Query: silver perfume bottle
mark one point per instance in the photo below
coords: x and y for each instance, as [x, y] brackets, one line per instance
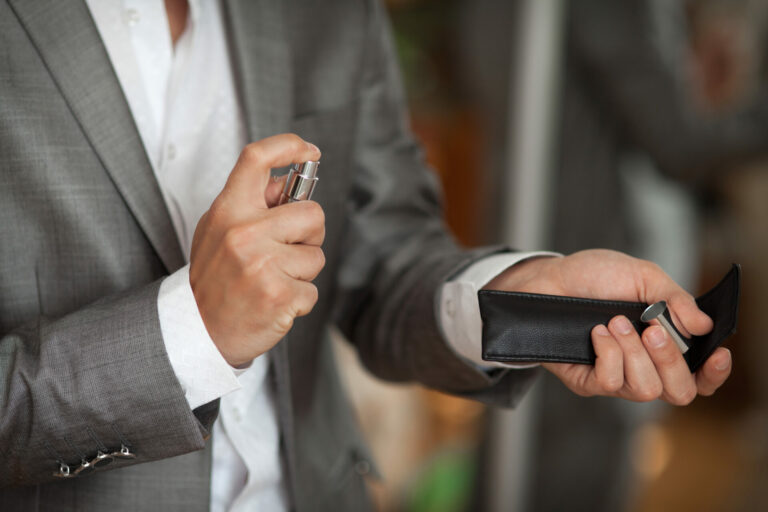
[301, 182]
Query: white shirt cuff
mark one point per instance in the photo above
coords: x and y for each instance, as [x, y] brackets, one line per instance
[202, 371]
[459, 309]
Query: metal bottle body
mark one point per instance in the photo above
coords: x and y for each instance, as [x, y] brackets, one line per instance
[301, 182]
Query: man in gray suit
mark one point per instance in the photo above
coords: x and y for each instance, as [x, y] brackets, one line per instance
[93, 229]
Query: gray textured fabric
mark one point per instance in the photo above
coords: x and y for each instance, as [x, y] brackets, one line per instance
[86, 240]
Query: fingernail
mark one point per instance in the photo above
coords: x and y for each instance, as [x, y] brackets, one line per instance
[656, 337]
[602, 330]
[723, 364]
[623, 325]
[312, 146]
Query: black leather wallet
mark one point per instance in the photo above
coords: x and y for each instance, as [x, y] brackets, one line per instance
[529, 327]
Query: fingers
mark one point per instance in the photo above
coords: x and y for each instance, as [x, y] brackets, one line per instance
[251, 263]
[714, 371]
[687, 316]
[651, 366]
[299, 222]
[249, 179]
[305, 297]
[678, 383]
[250, 251]
[281, 302]
[642, 381]
[642, 368]
[302, 262]
[274, 190]
[298, 298]
[295, 223]
[609, 364]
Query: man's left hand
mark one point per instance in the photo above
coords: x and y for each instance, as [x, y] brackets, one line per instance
[630, 366]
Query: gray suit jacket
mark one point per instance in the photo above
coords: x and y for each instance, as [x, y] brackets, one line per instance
[85, 241]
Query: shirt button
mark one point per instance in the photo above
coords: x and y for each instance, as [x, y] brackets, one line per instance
[450, 308]
[171, 152]
[362, 467]
[131, 17]
[237, 416]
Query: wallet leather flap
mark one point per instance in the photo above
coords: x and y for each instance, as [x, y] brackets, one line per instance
[529, 327]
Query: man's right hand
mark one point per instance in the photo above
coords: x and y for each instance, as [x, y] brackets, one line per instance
[252, 261]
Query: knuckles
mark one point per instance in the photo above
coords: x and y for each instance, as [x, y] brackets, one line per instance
[268, 291]
[297, 143]
[234, 239]
[305, 300]
[276, 294]
[284, 322]
[652, 270]
[649, 392]
[235, 242]
[318, 257]
[682, 397]
[216, 214]
[634, 351]
[312, 219]
[312, 296]
[313, 212]
[263, 280]
[668, 356]
[252, 153]
[611, 384]
[256, 153]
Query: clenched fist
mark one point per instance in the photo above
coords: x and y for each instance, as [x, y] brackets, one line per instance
[252, 261]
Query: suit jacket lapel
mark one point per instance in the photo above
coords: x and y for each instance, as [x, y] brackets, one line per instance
[261, 59]
[262, 63]
[69, 44]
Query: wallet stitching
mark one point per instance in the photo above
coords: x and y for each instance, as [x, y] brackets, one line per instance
[557, 298]
[537, 358]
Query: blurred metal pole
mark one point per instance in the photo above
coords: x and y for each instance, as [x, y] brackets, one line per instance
[536, 68]
[533, 117]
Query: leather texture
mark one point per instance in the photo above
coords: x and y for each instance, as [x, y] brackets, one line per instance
[529, 327]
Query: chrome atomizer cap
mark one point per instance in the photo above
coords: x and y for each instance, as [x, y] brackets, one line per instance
[657, 312]
[301, 182]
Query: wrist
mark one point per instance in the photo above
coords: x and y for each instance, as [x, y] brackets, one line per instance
[528, 276]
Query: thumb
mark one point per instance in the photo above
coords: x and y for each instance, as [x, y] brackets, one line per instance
[687, 316]
[247, 184]
[685, 313]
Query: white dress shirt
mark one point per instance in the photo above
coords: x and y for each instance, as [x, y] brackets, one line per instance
[185, 107]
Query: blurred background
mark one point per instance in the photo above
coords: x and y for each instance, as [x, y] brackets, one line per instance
[637, 125]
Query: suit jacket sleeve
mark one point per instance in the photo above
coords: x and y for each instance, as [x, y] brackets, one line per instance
[90, 380]
[84, 242]
[398, 252]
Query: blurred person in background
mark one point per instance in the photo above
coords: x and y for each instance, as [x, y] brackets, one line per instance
[729, 45]
[633, 142]
[634, 153]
